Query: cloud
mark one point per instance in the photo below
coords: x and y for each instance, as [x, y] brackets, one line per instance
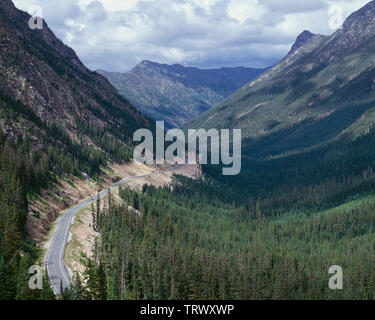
[292, 6]
[116, 35]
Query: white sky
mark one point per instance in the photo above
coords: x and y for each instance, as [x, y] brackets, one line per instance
[115, 35]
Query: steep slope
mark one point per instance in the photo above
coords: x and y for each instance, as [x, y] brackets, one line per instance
[47, 92]
[58, 122]
[175, 93]
[320, 90]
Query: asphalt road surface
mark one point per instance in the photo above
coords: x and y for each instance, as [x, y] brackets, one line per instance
[57, 271]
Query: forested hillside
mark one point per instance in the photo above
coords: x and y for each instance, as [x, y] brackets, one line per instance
[190, 245]
[45, 83]
[17, 255]
[321, 90]
[303, 202]
[57, 119]
[270, 233]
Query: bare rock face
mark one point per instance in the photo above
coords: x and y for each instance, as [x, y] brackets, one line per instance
[301, 39]
[358, 30]
[50, 97]
[44, 74]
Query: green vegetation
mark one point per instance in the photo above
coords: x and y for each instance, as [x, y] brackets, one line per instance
[24, 171]
[116, 150]
[185, 246]
[62, 155]
[17, 255]
[310, 98]
[304, 201]
[270, 233]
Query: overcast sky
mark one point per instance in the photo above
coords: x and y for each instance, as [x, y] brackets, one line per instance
[115, 35]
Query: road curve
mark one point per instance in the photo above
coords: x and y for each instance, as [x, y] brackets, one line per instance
[57, 271]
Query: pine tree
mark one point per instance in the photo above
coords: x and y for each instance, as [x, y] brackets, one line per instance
[47, 292]
[2, 138]
[98, 209]
[102, 282]
[6, 281]
[93, 215]
[79, 290]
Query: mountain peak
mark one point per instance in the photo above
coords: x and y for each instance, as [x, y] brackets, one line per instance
[301, 39]
[175, 93]
[362, 20]
[368, 9]
[41, 72]
[148, 63]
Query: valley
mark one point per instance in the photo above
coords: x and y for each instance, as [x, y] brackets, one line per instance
[176, 94]
[323, 85]
[74, 200]
[54, 260]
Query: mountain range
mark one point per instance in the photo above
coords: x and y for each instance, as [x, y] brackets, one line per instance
[175, 93]
[322, 90]
[303, 201]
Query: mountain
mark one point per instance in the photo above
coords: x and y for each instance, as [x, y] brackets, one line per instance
[176, 94]
[301, 40]
[321, 91]
[303, 201]
[58, 121]
[48, 95]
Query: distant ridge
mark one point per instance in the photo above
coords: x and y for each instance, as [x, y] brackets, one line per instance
[175, 93]
[323, 89]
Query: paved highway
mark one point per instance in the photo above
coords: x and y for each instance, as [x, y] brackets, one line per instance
[56, 268]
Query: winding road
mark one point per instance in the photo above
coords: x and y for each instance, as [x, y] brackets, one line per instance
[57, 270]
